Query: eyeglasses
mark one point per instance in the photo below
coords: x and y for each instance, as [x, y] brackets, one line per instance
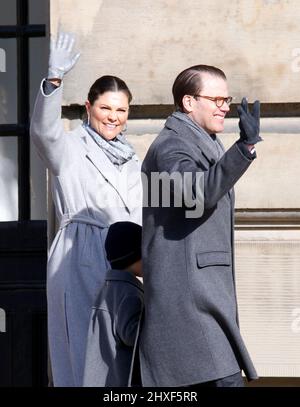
[219, 100]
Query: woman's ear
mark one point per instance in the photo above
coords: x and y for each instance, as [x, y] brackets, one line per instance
[187, 103]
[88, 107]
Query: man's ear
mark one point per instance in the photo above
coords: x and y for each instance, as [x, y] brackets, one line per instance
[187, 102]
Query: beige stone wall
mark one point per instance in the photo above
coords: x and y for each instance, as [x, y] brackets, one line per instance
[148, 43]
[271, 181]
[268, 286]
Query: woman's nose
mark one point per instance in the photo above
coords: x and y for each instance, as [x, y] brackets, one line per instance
[112, 115]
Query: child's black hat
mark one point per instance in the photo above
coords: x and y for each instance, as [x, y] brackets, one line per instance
[123, 244]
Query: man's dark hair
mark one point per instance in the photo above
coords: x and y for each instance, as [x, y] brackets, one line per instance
[189, 82]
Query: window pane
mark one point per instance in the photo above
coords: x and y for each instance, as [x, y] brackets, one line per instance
[8, 15]
[38, 54]
[8, 81]
[38, 62]
[38, 184]
[8, 179]
[38, 11]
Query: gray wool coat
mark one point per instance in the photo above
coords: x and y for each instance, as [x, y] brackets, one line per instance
[89, 194]
[190, 332]
[113, 331]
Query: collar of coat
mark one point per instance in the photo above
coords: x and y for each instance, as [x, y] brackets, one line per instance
[107, 168]
[183, 125]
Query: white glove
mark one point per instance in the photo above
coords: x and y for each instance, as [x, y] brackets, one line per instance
[61, 59]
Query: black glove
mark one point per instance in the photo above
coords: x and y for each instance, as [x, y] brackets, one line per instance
[249, 123]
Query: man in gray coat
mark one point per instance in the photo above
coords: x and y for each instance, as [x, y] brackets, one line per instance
[190, 335]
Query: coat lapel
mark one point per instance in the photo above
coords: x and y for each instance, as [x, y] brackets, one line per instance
[105, 166]
[206, 145]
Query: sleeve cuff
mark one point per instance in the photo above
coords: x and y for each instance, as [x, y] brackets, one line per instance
[245, 151]
[48, 87]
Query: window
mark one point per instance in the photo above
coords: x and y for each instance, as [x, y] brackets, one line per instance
[23, 43]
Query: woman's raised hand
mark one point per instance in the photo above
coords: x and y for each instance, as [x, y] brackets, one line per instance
[61, 59]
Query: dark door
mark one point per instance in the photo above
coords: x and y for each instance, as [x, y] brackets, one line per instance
[23, 240]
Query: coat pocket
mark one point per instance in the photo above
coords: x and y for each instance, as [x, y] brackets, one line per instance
[216, 258]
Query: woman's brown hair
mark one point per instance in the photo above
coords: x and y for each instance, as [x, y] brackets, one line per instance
[108, 83]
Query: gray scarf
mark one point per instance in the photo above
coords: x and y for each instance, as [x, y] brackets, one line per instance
[211, 139]
[118, 151]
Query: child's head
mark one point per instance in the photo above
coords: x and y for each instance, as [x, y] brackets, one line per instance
[123, 247]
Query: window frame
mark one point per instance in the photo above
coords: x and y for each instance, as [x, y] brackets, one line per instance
[22, 31]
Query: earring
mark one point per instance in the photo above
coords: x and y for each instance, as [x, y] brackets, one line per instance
[125, 128]
[88, 119]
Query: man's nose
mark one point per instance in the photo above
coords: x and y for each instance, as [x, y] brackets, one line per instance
[225, 107]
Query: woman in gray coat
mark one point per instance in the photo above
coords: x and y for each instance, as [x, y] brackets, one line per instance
[95, 182]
